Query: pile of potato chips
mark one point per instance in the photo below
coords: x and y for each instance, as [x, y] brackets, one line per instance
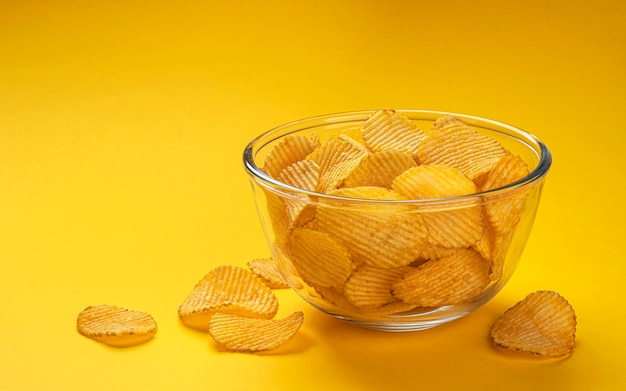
[364, 248]
[370, 247]
[237, 306]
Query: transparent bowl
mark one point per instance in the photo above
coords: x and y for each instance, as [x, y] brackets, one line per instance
[500, 250]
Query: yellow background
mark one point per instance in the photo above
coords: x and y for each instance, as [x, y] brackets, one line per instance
[122, 125]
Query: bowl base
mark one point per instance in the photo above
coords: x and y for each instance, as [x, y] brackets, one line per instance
[401, 326]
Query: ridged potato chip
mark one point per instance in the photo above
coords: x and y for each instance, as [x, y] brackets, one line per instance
[337, 158]
[229, 289]
[267, 270]
[432, 251]
[319, 259]
[384, 237]
[455, 279]
[453, 228]
[116, 326]
[247, 334]
[303, 174]
[288, 150]
[459, 145]
[369, 287]
[393, 131]
[505, 211]
[379, 169]
[543, 323]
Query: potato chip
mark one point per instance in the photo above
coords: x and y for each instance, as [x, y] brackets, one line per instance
[290, 149]
[247, 334]
[303, 174]
[319, 259]
[381, 236]
[369, 287]
[335, 297]
[445, 120]
[116, 326]
[543, 323]
[454, 228]
[504, 211]
[267, 270]
[379, 169]
[455, 279]
[229, 289]
[391, 130]
[281, 220]
[337, 158]
[458, 145]
[432, 251]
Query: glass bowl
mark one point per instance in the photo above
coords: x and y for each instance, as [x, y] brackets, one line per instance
[298, 223]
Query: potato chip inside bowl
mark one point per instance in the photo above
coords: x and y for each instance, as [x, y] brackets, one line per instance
[397, 220]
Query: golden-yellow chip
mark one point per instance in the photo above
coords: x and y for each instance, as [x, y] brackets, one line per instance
[454, 228]
[543, 323]
[247, 334]
[319, 259]
[267, 270]
[370, 288]
[504, 211]
[303, 174]
[455, 279]
[393, 131]
[337, 158]
[116, 326]
[288, 150]
[379, 169]
[383, 237]
[459, 145]
[229, 289]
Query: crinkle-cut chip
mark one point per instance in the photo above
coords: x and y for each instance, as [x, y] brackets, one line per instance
[337, 158]
[393, 308]
[319, 259]
[504, 211]
[453, 228]
[116, 326]
[288, 150]
[314, 138]
[433, 181]
[543, 323]
[384, 236]
[485, 245]
[391, 130]
[501, 245]
[455, 279]
[435, 252]
[300, 213]
[379, 169]
[369, 287]
[445, 120]
[354, 133]
[494, 247]
[335, 297]
[508, 169]
[267, 270]
[458, 145]
[229, 289]
[303, 174]
[248, 334]
[280, 219]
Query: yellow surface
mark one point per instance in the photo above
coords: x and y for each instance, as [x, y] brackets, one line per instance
[121, 130]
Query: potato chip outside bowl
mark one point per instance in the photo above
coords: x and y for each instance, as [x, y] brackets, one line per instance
[408, 249]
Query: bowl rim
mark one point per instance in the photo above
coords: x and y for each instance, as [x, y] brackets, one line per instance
[259, 175]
